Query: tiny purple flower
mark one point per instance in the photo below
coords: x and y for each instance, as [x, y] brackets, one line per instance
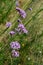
[17, 3]
[21, 12]
[15, 45]
[12, 32]
[15, 53]
[8, 24]
[21, 26]
[25, 31]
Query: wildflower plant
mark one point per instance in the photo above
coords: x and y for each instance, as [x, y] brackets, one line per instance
[21, 32]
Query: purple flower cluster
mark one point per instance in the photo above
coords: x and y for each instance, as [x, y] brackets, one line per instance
[15, 45]
[21, 12]
[21, 28]
[15, 53]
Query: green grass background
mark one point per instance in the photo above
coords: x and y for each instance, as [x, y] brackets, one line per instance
[32, 43]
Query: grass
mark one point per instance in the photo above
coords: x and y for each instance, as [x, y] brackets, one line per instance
[32, 43]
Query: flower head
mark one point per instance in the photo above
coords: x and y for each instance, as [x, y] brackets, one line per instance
[15, 45]
[8, 24]
[15, 53]
[22, 28]
[21, 12]
[12, 32]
